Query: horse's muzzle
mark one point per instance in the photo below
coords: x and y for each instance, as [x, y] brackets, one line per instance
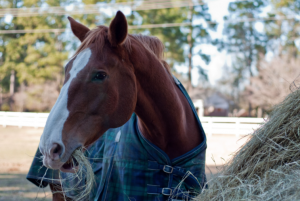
[53, 156]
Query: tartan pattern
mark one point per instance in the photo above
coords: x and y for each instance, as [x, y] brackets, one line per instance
[121, 168]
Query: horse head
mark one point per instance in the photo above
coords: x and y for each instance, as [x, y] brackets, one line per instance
[99, 92]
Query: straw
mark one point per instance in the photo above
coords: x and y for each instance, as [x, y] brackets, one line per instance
[267, 167]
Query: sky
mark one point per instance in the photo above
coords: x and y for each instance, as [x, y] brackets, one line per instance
[218, 9]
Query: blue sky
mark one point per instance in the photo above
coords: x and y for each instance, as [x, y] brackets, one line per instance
[217, 9]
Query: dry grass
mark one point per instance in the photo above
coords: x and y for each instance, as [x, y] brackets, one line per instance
[268, 166]
[15, 187]
[17, 148]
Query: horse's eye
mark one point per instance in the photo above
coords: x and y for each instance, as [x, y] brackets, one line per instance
[99, 76]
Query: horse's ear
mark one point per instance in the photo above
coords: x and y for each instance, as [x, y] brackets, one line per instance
[79, 30]
[118, 29]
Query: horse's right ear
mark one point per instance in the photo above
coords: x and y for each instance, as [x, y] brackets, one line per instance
[79, 30]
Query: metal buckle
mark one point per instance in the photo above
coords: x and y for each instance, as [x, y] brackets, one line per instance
[168, 169]
[165, 193]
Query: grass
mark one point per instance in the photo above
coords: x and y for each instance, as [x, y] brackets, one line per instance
[17, 148]
[15, 187]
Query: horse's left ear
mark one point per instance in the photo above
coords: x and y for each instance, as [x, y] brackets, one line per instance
[118, 30]
[79, 30]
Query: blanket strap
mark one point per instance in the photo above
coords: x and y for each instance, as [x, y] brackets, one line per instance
[188, 177]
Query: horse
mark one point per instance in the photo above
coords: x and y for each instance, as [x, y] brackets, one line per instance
[113, 76]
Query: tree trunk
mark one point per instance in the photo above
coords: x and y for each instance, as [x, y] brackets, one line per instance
[1, 101]
[250, 61]
[11, 88]
[259, 112]
[12, 83]
[22, 89]
[189, 87]
[190, 42]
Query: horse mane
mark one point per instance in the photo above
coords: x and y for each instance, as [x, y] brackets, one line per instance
[99, 35]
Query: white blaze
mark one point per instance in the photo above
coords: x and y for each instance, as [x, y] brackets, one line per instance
[59, 113]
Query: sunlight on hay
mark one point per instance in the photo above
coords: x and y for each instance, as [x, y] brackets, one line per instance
[267, 167]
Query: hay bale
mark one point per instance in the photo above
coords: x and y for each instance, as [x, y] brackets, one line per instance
[267, 167]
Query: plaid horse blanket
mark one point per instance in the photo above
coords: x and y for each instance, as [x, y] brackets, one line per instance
[129, 167]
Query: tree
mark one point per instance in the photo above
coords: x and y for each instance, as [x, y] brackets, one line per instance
[32, 58]
[274, 81]
[181, 41]
[284, 33]
[243, 40]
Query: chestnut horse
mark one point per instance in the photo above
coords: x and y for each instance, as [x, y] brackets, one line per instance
[113, 75]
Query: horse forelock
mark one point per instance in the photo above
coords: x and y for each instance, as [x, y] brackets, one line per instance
[95, 36]
[99, 36]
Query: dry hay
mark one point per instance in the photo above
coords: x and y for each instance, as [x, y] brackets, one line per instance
[267, 167]
[79, 185]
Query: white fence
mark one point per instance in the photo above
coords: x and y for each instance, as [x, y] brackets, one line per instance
[230, 125]
[23, 119]
[211, 125]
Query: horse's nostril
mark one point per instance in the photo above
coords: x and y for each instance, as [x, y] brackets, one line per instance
[55, 151]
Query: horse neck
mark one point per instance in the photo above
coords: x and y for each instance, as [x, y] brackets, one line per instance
[163, 111]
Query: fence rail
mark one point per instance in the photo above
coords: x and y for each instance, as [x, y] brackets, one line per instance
[23, 119]
[230, 125]
[211, 125]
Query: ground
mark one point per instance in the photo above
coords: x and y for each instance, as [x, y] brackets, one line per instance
[14, 187]
[18, 146]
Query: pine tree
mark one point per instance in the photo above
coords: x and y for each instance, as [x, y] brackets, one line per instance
[244, 41]
[32, 57]
[284, 33]
[180, 41]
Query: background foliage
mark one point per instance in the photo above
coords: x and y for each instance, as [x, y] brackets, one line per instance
[256, 36]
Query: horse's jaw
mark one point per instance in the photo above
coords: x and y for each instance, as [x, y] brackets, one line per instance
[70, 166]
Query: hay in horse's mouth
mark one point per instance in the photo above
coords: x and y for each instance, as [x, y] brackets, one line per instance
[82, 180]
[71, 165]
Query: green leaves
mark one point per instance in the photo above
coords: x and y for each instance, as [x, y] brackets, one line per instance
[34, 56]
